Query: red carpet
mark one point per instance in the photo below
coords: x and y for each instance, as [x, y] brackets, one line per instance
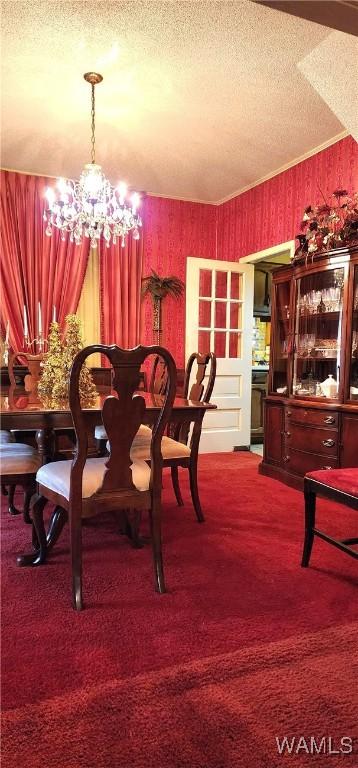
[246, 646]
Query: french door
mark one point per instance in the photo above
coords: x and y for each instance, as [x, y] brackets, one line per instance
[219, 318]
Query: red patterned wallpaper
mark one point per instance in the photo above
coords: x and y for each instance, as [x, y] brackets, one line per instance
[270, 213]
[266, 215]
[174, 230]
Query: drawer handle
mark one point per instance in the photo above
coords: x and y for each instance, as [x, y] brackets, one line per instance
[289, 413]
[326, 467]
[286, 459]
[328, 443]
[288, 434]
[330, 420]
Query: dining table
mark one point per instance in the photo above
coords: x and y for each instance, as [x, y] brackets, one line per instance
[26, 412]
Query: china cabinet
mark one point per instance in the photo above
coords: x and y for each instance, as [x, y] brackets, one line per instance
[311, 410]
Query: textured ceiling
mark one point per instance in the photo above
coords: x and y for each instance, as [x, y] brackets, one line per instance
[199, 99]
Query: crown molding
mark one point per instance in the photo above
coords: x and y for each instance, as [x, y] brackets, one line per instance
[283, 168]
[241, 191]
[29, 173]
[183, 199]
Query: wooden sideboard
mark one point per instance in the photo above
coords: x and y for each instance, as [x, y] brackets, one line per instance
[311, 410]
[301, 437]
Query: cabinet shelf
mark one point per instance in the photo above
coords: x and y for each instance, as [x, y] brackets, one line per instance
[313, 315]
[316, 357]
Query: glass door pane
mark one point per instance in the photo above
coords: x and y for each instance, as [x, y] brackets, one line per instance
[280, 338]
[353, 379]
[220, 313]
[318, 332]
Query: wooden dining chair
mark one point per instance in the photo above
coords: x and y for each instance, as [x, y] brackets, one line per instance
[340, 485]
[87, 486]
[181, 450]
[157, 385]
[18, 466]
[34, 365]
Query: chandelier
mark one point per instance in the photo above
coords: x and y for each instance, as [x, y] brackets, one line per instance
[91, 207]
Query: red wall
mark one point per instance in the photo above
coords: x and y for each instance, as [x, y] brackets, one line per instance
[271, 213]
[174, 230]
[266, 215]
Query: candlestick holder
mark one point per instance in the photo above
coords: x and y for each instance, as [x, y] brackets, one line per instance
[5, 354]
[39, 341]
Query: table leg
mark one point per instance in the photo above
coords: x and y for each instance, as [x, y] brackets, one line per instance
[45, 439]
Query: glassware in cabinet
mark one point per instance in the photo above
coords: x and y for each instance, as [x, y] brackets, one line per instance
[318, 334]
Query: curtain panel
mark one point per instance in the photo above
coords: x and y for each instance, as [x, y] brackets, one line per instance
[120, 291]
[34, 267]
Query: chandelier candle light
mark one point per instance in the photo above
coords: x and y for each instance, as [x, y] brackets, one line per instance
[91, 207]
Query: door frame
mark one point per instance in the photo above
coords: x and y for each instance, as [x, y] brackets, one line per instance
[275, 250]
[288, 248]
[235, 265]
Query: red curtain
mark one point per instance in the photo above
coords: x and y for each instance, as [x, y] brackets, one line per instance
[34, 267]
[120, 291]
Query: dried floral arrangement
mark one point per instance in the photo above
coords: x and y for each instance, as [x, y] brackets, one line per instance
[330, 225]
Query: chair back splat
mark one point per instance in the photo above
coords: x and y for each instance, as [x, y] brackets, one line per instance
[122, 415]
[197, 389]
[158, 377]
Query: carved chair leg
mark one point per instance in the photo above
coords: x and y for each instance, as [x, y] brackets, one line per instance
[193, 475]
[76, 559]
[310, 515]
[155, 529]
[176, 486]
[57, 522]
[133, 521]
[39, 556]
[12, 508]
[29, 492]
[4, 490]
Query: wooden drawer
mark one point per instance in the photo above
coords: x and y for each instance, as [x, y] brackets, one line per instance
[312, 416]
[299, 462]
[306, 438]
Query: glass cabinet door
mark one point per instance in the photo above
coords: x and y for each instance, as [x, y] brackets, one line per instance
[318, 334]
[280, 338]
[353, 378]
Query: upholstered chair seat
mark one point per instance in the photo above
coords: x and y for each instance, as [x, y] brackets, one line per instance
[18, 459]
[339, 485]
[12, 448]
[344, 479]
[6, 437]
[18, 466]
[171, 449]
[56, 476]
[101, 434]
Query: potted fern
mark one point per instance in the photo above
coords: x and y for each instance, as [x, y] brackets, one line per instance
[158, 288]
